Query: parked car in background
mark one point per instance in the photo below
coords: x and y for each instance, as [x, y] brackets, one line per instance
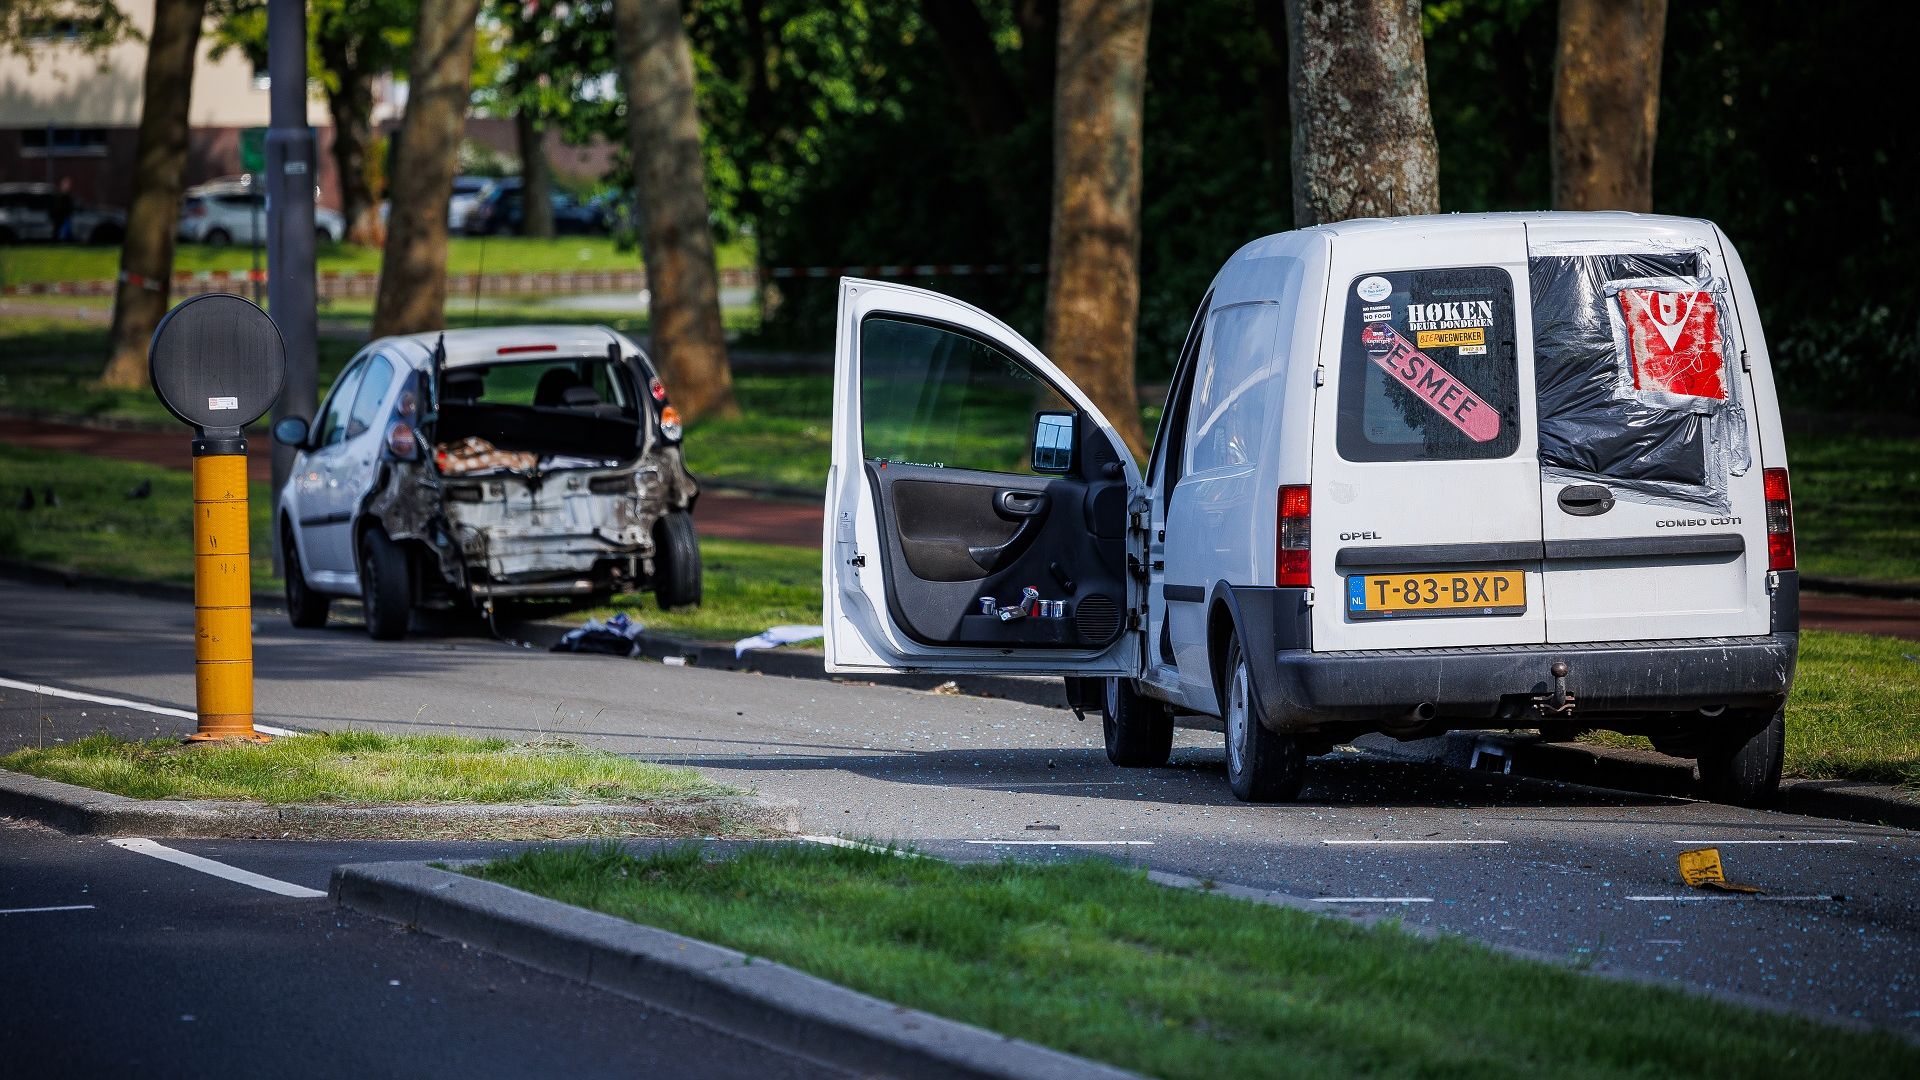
[502, 211]
[96, 225]
[28, 212]
[224, 213]
[475, 465]
[467, 191]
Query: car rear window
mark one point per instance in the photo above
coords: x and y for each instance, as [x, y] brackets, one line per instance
[1427, 368]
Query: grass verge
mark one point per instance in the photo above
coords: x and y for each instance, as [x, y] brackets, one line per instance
[1851, 715]
[360, 768]
[1857, 506]
[749, 587]
[1091, 958]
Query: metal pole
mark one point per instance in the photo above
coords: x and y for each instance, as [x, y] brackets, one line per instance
[290, 270]
[222, 590]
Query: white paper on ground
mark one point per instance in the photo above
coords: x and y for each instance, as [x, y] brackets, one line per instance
[775, 636]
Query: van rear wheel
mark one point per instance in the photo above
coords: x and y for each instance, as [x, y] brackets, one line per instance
[1139, 730]
[1741, 765]
[1262, 766]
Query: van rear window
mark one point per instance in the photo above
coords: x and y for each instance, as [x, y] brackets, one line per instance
[1427, 369]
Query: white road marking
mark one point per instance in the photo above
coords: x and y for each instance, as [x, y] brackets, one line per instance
[1373, 899]
[1722, 896]
[1357, 843]
[36, 910]
[99, 699]
[1063, 843]
[841, 841]
[217, 869]
[1719, 843]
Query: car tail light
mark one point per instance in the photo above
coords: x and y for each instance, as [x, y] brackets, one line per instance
[670, 423]
[657, 388]
[1779, 521]
[1296, 521]
[402, 442]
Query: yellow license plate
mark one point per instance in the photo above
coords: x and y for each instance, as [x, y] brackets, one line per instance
[1458, 592]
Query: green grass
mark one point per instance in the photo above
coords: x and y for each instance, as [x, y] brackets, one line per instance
[96, 529]
[749, 587]
[1091, 958]
[43, 263]
[1856, 506]
[360, 767]
[1851, 715]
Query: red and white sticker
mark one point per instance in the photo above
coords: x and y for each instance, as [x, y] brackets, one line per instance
[1673, 341]
[1432, 383]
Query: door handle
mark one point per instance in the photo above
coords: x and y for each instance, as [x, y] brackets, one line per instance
[1586, 500]
[1020, 504]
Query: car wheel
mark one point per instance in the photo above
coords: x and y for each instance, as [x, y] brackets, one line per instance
[1261, 766]
[676, 561]
[216, 238]
[1741, 765]
[1139, 730]
[306, 609]
[385, 589]
[322, 236]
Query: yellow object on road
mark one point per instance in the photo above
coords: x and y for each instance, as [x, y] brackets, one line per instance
[1701, 869]
[222, 598]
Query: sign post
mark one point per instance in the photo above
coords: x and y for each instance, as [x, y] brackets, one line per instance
[218, 363]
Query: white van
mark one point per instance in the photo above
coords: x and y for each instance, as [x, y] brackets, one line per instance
[1473, 471]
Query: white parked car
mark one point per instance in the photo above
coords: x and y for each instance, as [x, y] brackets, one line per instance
[1465, 472]
[459, 468]
[467, 191]
[218, 216]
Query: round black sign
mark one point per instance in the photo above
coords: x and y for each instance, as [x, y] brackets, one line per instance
[217, 361]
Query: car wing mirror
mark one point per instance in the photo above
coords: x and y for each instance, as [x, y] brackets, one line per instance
[1053, 441]
[291, 431]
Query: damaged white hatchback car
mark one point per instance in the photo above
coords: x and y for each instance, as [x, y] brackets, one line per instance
[457, 468]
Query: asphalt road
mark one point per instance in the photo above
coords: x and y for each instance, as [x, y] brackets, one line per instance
[1563, 870]
[120, 964]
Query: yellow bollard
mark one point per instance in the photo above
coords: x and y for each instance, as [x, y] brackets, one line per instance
[222, 593]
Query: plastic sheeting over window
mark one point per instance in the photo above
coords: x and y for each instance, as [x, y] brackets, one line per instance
[1632, 354]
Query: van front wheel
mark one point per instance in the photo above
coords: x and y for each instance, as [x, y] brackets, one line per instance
[1741, 766]
[1139, 730]
[1261, 766]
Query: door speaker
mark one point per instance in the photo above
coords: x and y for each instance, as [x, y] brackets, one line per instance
[1097, 618]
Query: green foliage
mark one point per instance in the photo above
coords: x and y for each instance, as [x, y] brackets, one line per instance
[88, 25]
[1090, 957]
[360, 767]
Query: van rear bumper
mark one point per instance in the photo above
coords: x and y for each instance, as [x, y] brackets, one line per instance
[1305, 690]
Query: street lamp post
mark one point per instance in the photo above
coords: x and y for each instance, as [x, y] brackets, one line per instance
[291, 174]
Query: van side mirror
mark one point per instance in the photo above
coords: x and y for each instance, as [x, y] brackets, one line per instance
[1053, 439]
[291, 431]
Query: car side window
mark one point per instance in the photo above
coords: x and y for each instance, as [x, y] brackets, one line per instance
[373, 391]
[1169, 440]
[934, 396]
[1230, 388]
[332, 427]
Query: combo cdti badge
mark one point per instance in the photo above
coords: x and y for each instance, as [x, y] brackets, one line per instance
[1465, 472]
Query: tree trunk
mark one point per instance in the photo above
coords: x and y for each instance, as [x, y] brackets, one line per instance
[352, 108]
[1363, 141]
[536, 178]
[146, 256]
[1093, 273]
[413, 268]
[656, 66]
[1606, 103]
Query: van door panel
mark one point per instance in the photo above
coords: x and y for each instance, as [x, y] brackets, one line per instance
[1410, 475]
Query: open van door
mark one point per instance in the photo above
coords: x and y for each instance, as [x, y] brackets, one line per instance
[980, 510]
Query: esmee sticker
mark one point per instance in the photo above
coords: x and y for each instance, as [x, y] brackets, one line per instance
[1430, 382]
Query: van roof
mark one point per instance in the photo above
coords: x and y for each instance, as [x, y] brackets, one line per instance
[493, 344]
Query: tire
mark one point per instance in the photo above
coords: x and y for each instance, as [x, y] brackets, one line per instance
[306, 609]
[216, 238]
[1139, 730]
[322, 236]
[1741, 766]
[386, 590]
[1262, 767]
[676, 561]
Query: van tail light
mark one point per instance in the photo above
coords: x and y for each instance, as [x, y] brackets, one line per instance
[1291, 562]
[670, 423]
[1779, 521]
[401, 441]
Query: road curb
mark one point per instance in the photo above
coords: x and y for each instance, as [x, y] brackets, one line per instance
[33, 573]
[84, 811]
[768, 1002]
[1641, 771]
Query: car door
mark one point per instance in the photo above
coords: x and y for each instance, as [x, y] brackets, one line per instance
[1653, 499]
[317, 506]
[978, 505]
